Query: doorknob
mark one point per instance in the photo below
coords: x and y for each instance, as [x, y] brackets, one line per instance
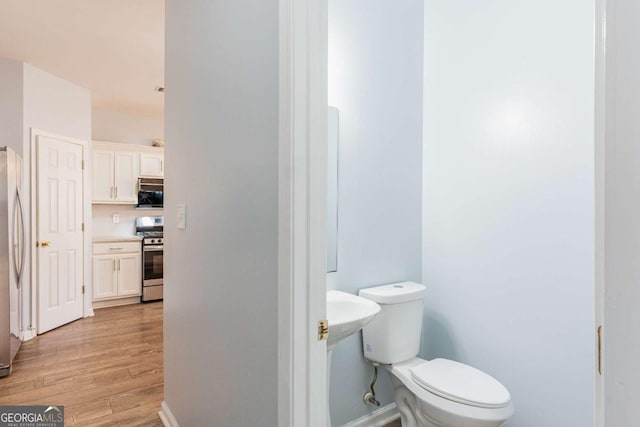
[45, 243]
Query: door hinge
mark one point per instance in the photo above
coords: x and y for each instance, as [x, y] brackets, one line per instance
[323, 330]
[600, 349]
[82, 289]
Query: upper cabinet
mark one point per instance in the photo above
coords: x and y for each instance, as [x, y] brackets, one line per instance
[116, 168]
[102, 173]
[114, 177]
[152, 165]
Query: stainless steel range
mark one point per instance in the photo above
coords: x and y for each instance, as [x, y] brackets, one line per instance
[150, 228]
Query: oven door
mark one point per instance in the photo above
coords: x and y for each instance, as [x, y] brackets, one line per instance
[152, 265]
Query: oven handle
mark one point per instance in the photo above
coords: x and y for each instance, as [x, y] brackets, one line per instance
[152, 248]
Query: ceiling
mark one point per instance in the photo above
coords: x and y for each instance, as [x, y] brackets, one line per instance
[115, 48]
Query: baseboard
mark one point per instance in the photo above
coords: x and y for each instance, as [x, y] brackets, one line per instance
[115, 302]
[166, 416]
[28, 334]
[378, 418]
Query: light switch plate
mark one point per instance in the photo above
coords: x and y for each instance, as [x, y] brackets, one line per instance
[116, 218]
[181, 216]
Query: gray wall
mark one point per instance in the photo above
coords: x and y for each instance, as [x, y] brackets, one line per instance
[375, 80]
[221, 126]
[622, 213]
[509, 206]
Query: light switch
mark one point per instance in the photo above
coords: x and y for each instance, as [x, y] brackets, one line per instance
[116, 218]
[181, 216]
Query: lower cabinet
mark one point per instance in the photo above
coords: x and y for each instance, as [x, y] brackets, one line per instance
[117, 269]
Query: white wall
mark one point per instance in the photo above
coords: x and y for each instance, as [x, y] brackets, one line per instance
[375, 81]
[102, 219]
[122, 126]
[220, 307]
[622, 213]
[509, 199]
[11, 102]
[34, 99]
[53, 105]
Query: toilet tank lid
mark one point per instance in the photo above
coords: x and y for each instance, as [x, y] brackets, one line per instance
[394, 293]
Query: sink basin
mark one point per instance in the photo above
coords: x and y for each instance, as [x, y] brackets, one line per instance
[347, 314]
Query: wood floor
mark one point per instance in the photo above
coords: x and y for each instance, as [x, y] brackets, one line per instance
[106, 370]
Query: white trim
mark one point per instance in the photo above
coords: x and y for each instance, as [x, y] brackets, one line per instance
[28, 334]
[166, 416]
[378, 418]
[122, 146]
[86, 215]
[600, 23]
[115, 302]
[301, 220]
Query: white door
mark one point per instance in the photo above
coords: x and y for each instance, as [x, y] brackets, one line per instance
[126, 176]
[59, 232]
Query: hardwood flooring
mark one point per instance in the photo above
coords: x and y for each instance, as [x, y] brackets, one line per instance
[106, 370]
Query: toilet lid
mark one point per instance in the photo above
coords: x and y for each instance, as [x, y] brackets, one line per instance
[460, 383]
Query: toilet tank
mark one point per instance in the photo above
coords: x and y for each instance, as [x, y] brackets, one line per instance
[394, 334]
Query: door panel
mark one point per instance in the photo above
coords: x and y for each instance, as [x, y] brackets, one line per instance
[152, 165]
[129, 280]
[59, 218]
[126, 176]
[104, 276]
[102, 176]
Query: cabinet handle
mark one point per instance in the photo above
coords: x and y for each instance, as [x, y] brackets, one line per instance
[115, 249]
[114, 265]
[118, 265]
[116, 192]
[111, 194]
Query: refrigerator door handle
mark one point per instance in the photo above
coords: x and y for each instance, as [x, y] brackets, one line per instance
[19, 246]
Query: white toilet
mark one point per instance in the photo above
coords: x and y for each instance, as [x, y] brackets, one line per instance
[435, 393]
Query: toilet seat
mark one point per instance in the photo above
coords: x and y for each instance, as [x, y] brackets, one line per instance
[460, 383]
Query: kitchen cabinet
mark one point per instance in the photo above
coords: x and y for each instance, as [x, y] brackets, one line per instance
[152, 164]
[115, 176]
[116, 270]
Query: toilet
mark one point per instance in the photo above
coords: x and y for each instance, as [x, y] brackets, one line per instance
[428, 393]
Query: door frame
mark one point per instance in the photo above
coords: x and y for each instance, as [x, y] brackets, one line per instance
[600, 22]
[302, 388]
[87, 309]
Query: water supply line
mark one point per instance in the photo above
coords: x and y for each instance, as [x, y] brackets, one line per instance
[370, 397]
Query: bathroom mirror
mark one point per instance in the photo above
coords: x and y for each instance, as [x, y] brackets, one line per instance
[332, 190]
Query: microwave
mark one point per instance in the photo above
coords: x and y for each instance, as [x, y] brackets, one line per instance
[150, 193]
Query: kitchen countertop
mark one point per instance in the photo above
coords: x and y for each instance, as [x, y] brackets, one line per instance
[107, 239]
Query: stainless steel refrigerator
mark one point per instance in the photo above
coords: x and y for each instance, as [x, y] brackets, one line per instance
[12, 253]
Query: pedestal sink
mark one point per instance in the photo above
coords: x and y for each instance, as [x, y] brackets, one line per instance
[346, 314]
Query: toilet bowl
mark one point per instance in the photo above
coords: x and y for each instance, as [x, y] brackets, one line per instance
[435, 393]
[423, 406]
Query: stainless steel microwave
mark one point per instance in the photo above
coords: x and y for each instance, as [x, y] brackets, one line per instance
[150, 193]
